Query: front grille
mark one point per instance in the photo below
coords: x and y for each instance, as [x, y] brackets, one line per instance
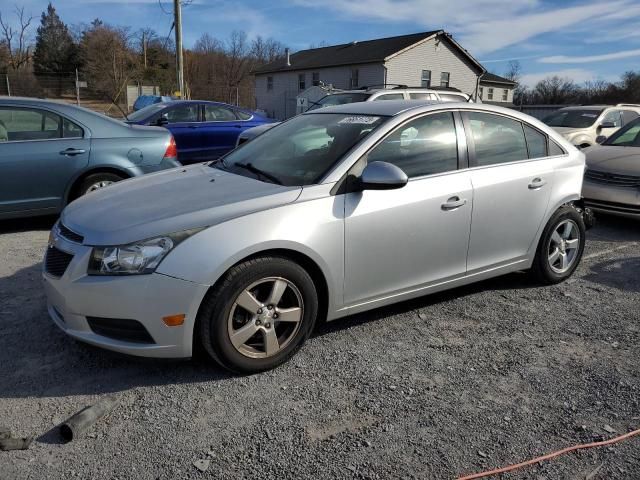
[120, 329]
[69, 235]
[612, 178]
[56, 261]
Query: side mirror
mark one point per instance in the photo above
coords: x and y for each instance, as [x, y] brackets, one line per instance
[162, 121]
[600, 139]
[382, 176]
[607, 125]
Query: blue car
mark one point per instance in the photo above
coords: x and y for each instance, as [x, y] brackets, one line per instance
[203, 130]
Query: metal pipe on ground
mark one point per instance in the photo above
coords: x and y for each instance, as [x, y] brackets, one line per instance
[81, 421]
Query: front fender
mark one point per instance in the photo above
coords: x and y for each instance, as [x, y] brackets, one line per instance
[313, 228]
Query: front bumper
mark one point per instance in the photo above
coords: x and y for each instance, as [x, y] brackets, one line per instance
[621, 201]
[75, 296]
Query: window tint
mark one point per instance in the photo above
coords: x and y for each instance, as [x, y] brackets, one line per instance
[71, 130]
[183, 113]
[423, 146]
[536, 142]
[421, 96]
[390, 96]
[452, 97]
[614, 116]
[243, 115]
[217, 113]
[20, 124]
[497, 139]
[555, 149]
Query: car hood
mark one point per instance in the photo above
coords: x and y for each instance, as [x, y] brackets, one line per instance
[619, 160]
[170, 201]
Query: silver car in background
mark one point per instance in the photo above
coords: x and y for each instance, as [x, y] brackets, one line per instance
[331, 213]
[53, 152]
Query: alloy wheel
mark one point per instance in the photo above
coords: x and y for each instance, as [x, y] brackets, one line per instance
[564, 246]
[265, 317]
[99, 185]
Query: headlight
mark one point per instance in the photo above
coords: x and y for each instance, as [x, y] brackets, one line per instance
[137, 258]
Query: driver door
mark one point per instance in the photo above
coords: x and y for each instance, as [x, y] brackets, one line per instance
[397, 241]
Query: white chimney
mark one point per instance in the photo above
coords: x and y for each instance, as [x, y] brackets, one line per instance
[286, 52]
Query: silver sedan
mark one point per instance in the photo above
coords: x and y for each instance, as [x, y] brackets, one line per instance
[333, 212]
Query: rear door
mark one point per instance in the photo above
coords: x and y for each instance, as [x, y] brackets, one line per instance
[221, 129]
[185, 125]
[512, 178]
[40, 151]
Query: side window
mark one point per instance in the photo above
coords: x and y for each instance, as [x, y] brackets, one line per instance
[71, 130]
[452, 97]
[555, 149]
[629, 116]
[183, 113]
[390, 96]
[613, 116]
[242, 115]
[536, 142]
[22, 124]
[217, 113]
[423, 146]
[421, 96]
[497, 139]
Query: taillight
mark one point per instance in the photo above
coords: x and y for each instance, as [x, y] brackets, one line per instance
[172, 149]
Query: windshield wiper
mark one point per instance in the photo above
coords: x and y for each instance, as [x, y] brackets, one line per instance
[258, 171]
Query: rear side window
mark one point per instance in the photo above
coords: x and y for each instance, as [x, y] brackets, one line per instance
[536, 142]
[421, 96]
[23, 124]
[243, 115]
[555, 149]
[497, 139]
[71, 130]
[423, 146]
[390, 96]
[449, 97]
[218, 113]
[629, 116]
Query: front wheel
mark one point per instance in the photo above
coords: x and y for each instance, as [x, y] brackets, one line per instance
[561, 246]
[260, 315]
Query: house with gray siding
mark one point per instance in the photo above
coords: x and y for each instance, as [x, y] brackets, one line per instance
[496, 90]
[424, 59]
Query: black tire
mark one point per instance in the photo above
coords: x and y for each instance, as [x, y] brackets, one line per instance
[212, 324]
[96, 178]
[541, 267]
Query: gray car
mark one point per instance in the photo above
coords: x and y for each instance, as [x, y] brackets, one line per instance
[52, 153]
[612, 180]
[331, 213]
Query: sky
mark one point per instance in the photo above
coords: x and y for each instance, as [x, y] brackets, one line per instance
[581, 40]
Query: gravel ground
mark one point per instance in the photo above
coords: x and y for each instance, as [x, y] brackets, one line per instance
[453, 383]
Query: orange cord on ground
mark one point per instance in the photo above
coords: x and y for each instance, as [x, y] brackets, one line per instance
[551, 455]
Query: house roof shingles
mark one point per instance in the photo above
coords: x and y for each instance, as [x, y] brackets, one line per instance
[493, 78]
[368, 51]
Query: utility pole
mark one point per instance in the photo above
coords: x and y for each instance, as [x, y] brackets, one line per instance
[144, 48]
[179, 60]
[77, 88]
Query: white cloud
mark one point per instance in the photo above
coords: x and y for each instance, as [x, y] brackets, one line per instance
[590, 58]
[578, 75]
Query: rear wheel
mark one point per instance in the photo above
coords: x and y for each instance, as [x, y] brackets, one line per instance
[561, 246]
[97, 181]
[260, 315]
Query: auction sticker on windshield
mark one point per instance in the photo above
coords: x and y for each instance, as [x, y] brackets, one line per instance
[360, 120]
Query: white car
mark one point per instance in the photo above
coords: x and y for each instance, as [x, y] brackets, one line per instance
[589, 125]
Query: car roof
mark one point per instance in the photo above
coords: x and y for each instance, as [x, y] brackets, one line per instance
[385, 108]
[587, 107]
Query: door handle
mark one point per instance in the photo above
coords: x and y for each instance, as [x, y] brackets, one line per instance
[453, 203]
[537, 183]
[70, 152]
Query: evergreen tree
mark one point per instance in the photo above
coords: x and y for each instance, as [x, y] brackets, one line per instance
[55, 50]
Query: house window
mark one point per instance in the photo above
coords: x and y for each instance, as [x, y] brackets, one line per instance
[354, 77]
[481, 91]
[425, 79]
[316, 79]
[490, 94]
[444, 79]
[269, 83]
[301, 82]
[505, 95]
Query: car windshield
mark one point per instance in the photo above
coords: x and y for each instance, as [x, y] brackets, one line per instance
[577, 118]
[628, 136]
[302, 150]
[339, 99]
[146, 111]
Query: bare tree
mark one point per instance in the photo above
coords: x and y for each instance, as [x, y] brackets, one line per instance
[16, 40]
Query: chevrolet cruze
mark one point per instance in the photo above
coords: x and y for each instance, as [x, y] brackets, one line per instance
[333, 212]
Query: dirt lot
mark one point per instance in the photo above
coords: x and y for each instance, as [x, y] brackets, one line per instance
[449, 384]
